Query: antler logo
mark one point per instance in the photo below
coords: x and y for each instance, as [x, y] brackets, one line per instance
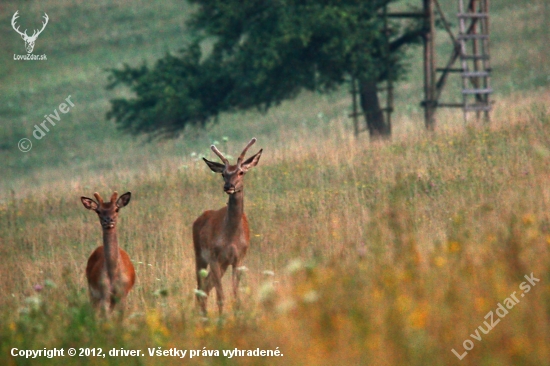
[29, 41]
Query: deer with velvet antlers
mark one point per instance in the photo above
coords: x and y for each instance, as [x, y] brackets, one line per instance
[109, 271]
[221, 238]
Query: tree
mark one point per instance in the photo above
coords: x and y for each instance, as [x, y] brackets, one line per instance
[262, 53]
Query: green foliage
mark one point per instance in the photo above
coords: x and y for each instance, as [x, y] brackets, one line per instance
[175, 93]
[262, 54]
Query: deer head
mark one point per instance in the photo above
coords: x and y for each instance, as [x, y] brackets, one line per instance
[107, 212]
[233, 174]
[29, 41]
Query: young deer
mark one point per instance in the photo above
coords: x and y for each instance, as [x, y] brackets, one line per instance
[221, 238]
[110, 272]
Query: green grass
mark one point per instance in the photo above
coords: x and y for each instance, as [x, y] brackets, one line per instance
[82, 40]
[382, 253]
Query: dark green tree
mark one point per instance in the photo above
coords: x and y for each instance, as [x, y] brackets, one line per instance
[260, 54]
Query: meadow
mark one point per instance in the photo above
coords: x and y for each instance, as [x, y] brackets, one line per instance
[385, 253]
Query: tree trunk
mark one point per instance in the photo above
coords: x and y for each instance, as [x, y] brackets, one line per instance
[370, 104]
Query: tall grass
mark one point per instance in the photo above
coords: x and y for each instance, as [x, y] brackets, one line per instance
[391, 253]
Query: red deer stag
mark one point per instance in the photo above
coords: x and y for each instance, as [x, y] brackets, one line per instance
[110, 272]
[221, 238]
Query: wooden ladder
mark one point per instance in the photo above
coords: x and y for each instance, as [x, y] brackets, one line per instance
[475, 57]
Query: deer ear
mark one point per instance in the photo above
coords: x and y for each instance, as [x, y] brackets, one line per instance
[215, 167]
[124, 200]
[252, 161]
[89, 203]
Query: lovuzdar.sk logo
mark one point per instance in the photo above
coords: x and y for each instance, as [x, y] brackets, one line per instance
[29, 40]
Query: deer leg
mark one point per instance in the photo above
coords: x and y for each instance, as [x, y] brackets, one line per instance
[203, 284]
[118, 302]
[104, 307]
[207, 284]
[216, 281]
[120, 308]
[200, 264]
[235, 279]
[100, 300]
[94, 299]
[123, 307]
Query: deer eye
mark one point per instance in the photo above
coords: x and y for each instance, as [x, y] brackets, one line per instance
[241, 173]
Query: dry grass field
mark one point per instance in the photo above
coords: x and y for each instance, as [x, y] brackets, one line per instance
[388, 253]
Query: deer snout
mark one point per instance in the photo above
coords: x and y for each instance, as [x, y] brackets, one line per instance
[229, 188]
[108, 222]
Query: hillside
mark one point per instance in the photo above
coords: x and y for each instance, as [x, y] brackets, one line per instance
[83, 40]
[386, 253]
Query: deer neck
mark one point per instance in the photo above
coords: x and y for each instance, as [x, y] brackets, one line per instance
[111, 252]
[235, 211]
